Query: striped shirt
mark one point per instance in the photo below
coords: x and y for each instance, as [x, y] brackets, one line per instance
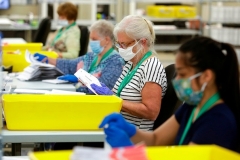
[150, 70]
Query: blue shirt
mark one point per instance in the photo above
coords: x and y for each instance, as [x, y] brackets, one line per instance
[216, 126]
[107, 71]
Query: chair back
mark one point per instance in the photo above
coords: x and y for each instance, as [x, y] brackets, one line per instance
[43, 31]
[170, 100]
[84, 40]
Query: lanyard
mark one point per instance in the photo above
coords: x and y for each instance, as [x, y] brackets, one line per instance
[210, 102]
[61, 31]
[93, 64]
[130, 74]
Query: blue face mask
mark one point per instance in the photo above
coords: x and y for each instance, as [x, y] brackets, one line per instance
[96, 47]
[185, 92]
[63, 23]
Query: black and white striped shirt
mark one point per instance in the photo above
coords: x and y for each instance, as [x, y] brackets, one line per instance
[150, 70]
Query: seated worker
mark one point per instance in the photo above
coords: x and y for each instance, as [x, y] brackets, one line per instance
[208, 82]
[143, 82]
[103, 62]
[66, 41]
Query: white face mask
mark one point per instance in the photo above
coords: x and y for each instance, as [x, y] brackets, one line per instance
[127, 54]
[63, 23]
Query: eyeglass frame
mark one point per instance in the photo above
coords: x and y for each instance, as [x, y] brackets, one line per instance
[124, 46]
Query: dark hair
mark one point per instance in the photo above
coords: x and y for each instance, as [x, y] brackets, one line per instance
[69, 10]
[204, 53]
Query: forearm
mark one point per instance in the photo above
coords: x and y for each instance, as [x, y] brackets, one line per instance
[52, 61]
[140, 110]
[147, 137]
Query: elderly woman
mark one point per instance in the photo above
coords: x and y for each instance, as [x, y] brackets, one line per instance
[143, 82]
[103, 62]
[66, 42]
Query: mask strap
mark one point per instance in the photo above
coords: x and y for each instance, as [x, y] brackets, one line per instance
[195, 76]
[204, 86]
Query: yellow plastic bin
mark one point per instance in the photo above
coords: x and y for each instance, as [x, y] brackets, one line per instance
[57, 112]
[22, 47]
[18, 60]
[200, 152]
[159, 11]
[185, 12]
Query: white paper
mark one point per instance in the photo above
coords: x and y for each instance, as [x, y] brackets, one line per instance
[30, 91]
[55, 91]
[55, 81]
[87, 79]
[87, 153]
[15, 158]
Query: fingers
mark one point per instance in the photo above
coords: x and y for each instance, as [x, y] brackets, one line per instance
[110, 118]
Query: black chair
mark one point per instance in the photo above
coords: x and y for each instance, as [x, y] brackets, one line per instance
[43, 31]
[170, 101]
[84, 39]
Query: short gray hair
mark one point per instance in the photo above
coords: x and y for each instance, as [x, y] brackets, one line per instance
[137, 27]
[103, 28]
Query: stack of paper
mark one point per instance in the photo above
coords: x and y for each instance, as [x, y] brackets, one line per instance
[38, 70]
[126, 153]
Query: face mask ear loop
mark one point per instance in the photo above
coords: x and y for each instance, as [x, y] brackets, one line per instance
[204, 86]
[195, 76]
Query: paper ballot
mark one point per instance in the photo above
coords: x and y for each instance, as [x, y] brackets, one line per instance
[87, 79]
[38, 70]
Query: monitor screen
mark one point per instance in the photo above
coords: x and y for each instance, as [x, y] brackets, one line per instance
[4, 4]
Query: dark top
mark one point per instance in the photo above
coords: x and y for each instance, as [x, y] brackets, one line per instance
[216, 126]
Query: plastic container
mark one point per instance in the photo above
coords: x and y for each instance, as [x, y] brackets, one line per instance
[23, 47]
[208, 152]
[17, 60]
[57, 112]
[185, 12]
[158, 11]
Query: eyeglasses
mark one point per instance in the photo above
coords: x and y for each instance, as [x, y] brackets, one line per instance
[124, 45]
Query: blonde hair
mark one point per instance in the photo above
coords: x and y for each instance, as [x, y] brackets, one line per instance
[103, 28]
[137, 27]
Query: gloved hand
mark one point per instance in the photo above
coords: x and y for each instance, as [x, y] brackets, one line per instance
[40, 57]
[103, 90]
[117, 120]
[69, 77]
[117, 137]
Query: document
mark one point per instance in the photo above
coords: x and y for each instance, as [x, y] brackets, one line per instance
[37, 70]
[56, 91]
[55, 81]
[30, 91]
[87, 79]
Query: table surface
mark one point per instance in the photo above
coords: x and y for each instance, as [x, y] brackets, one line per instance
[13, 40]
[38, 85]
[52, 136]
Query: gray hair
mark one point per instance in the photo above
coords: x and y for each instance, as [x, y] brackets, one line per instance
[103, 28]
[137, 27]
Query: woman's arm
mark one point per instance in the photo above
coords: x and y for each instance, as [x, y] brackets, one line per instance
[52, 61]
[151, 101]
[163, 135]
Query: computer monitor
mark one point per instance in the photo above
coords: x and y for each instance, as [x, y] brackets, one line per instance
[4, 4]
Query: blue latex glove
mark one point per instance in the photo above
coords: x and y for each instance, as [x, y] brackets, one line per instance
[117, 137]
[101, 90]
[117, 120]
[69, 77]
[40, 57]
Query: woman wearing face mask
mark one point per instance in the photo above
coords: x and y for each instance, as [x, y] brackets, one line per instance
[208, 81]
[66, 41]
[103, 62]
[143, 81]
